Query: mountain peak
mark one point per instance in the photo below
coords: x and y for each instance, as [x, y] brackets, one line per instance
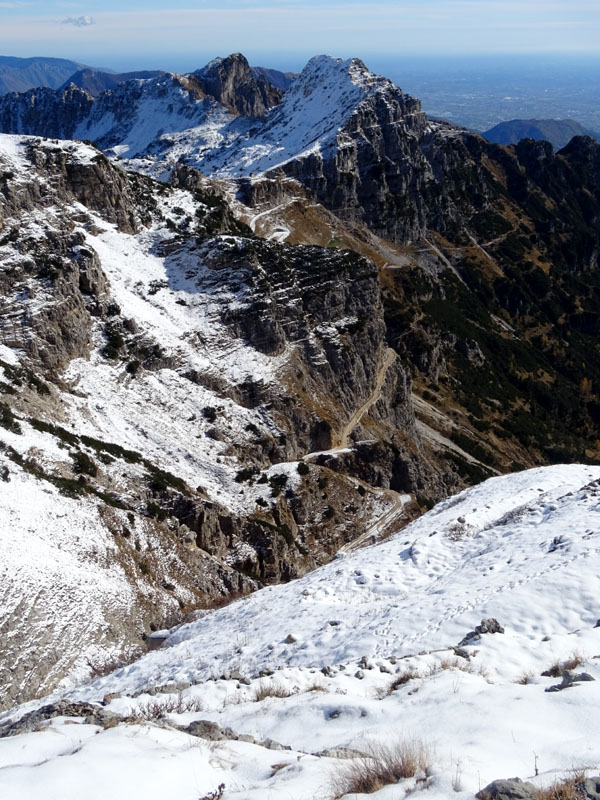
[231, 82]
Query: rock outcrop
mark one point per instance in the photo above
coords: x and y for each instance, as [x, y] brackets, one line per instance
[235, 86]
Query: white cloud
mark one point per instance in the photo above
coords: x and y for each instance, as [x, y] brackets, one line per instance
[79, 22]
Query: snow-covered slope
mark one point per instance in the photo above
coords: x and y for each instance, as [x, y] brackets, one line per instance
[319, 103]
[144, 116]
[521, 548]
[362, 654]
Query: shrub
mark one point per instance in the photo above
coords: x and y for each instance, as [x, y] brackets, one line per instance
[154, 510]
[381, 765]
[54, 430]
[209, 413]
[131, 456]
[277, 483]
[303, 468]
[114, 341]
[245, 474]
[83, 464]
[8, 419]
[168, 704]
[161, 479]
[133, 367]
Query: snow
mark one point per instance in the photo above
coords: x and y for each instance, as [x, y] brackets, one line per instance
[13, 147]
[81, 582]
[183, 315]
[522, 548]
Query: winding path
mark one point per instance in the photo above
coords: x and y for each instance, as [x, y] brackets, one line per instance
[344, 435]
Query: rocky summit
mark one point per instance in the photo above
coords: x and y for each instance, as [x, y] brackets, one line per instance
[251, 328]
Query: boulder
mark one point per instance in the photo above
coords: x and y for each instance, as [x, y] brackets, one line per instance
[511, 789]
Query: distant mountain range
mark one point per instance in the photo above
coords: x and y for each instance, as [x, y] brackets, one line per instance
[281, 80]
[96, 81]
[558, 132]
[21, 74]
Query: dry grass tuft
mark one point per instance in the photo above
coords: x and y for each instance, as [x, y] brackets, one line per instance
[562, 790]
[381, 766]
[403, 678]
[526, 677]
[167, 704]
[556, 669]
[264, 690]
[315, 686]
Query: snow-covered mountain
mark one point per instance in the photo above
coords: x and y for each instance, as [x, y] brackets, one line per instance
[223, 118]
[169, 381]
[298, 690]
[215, 383]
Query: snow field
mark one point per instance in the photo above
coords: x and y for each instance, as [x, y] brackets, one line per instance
[360, 653]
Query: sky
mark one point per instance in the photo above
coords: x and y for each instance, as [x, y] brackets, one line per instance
[127, 34]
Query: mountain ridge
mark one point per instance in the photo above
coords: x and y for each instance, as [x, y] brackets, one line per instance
[558, 132]
[21, 74]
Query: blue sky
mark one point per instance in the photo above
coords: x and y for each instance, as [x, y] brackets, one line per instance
[285, 33]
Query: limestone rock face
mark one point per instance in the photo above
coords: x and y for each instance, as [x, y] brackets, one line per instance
[233, 84]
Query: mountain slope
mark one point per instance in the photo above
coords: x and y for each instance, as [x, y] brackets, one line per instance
[281, 80]
[21, 74]
[558, 132]
[361, 654]
[95, 82]
[465, 348]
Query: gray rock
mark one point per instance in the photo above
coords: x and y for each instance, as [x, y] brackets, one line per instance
[36, 720]
[569, 679]
[359, 674]
[516, 789]
[271, 744]
[486, 626]
[342, 753]
[511, 789]
[205, 729]
[589, 789]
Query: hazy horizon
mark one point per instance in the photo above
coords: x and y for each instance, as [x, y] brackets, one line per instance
[126, 34]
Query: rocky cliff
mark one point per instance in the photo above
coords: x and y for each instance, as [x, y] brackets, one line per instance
[177, 380]
[237, 87]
